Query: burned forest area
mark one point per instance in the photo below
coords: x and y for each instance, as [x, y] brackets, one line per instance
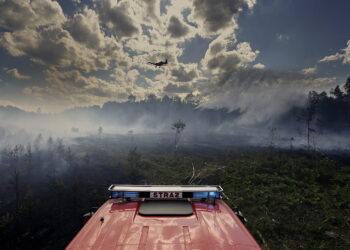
[230, 117]
[293, 190]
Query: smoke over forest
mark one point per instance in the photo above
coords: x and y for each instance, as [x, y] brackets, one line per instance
[321, 122]
[251, 95]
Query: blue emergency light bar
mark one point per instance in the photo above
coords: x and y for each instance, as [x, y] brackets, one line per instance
[118, 194]
[166, 191]
[206, 195]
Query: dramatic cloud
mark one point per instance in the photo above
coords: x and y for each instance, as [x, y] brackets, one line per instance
[55, 46]
[100, 51]
[118, 17]
[15, 73]
[21, 14]
[214, 16]
[85, 28]
[228, 60]
[344, 56]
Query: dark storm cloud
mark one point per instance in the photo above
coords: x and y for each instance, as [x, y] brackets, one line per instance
[176, 29]
[217, 15]
[116, 16]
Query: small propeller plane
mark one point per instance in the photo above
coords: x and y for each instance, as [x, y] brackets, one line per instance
[159, 64]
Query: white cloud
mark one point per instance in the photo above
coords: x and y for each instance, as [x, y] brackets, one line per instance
[258, 66]
[309, 71]
[85, 28]
[15, 73]
[282, 37]
[228, 60]
[344, 56]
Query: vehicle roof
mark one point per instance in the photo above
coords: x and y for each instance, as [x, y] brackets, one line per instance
[211, 226]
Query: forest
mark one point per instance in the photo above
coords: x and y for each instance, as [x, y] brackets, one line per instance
[294, 197]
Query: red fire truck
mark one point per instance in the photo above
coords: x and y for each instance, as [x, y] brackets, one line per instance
[164, 217]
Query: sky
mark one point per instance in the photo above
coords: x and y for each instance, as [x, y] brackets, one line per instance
[256, 56]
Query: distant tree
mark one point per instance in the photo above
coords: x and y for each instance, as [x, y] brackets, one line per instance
[69, 157]
[176, 99]
[347, 86]
[191, 99]
[166, 99]
[338, 94]
[347, 98]
[323, 95]
[178, 126]
[273, 135]
[291, 143]
[131, 98]
[151, 98]
[37, 142]
[60, 150]
[50, 143]
[86, 160]
[131, 135]
[310, 114]
[28, 159]
[14, 183]
[100, 130]
[133, 157]
[74, 130]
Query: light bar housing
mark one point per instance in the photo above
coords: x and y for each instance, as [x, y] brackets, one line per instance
[188, 191]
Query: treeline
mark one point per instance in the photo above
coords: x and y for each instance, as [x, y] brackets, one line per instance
[333, 111]
[155, 113]
[325, 112]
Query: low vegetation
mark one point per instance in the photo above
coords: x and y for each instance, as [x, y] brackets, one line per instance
[292, 200]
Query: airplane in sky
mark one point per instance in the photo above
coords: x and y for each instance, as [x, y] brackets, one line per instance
[159, 64]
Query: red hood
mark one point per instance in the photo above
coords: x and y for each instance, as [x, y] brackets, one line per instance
[210, 227]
